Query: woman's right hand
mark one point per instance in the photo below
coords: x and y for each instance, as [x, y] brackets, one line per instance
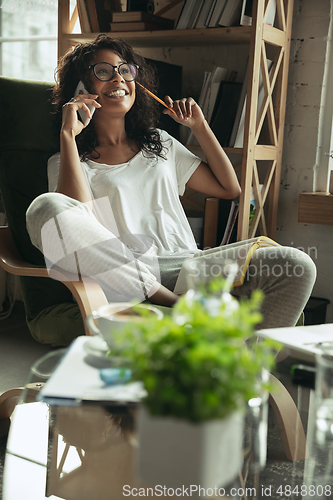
[70, 119]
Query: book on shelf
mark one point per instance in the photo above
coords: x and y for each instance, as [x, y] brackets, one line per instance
[221, 220]
[109, 5]
[185, 14]
[83, 16]
[230, 230]
[203, 14]
[252, 214]
[211, 4]
[95, 15]
[271, 13]
[240, 109]
[168, 8]
[240, 251]
[143, 17]
[225, 112]
[92, 15]
[215, 14]
[216, 213]
[191, 141]
[253, 205]
[218, 75]
[139, 26]
[231, 13]
[194, 16]
[196, 224]
[210, 222]
[169, 78]
[220, 217]
[230, 235]
[205, 88]
[246, 13]
[208, 99]
[237, 134]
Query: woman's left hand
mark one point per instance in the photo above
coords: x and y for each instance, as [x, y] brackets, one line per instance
[187, 111]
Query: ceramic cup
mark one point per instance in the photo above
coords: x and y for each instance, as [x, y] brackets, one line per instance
[110, 317]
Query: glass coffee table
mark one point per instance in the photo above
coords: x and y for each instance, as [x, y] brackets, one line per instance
[75, 452]
[88, 452]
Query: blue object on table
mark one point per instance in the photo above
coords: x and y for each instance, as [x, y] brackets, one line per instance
[115, 376]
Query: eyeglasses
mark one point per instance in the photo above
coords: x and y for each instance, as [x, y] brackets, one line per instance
[105, 71]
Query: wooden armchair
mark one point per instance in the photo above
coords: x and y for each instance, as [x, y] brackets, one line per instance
[27, 140]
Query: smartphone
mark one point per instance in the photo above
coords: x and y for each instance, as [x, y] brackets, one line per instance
[85, 120]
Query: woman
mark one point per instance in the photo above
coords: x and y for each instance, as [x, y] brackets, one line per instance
[116, 214]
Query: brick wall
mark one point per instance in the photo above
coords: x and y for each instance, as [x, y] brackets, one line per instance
[304, 103]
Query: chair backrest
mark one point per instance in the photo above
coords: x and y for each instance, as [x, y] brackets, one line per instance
[27, 140]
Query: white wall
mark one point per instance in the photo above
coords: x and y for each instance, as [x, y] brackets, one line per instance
[307, 64]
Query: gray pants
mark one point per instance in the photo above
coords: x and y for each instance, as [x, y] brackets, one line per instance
[85, 242]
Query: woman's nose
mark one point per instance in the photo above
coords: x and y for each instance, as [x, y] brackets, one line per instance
[117, 76]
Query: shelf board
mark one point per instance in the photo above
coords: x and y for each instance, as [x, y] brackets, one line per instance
[315, 208]
[174, 38]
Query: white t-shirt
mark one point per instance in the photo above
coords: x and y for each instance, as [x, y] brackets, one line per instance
[144, 194]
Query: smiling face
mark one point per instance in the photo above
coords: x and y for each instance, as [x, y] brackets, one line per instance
[115, 95]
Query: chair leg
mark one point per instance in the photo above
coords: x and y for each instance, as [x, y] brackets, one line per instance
[8, 402]
[9, 399]
[289, 421]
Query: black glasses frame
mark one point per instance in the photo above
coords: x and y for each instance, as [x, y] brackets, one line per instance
[92, 66]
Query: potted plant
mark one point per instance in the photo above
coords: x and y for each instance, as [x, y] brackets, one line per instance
[200, 366]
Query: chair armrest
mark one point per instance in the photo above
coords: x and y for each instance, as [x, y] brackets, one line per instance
[8, 402]
[11, 260]
[87, 292]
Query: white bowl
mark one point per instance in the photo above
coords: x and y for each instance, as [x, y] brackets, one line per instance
[114, 316]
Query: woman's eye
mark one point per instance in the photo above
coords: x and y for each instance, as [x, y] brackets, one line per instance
[102, 74]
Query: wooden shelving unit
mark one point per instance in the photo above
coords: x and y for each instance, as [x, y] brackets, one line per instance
[272, 111]
[175, 38]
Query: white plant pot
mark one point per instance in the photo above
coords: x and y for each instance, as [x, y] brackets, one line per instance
[176, 453]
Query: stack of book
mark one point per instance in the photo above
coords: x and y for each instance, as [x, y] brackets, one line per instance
[217, 13]
[95, 15]
[139, 21]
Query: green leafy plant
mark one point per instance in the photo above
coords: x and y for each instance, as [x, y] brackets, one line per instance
[203, 361]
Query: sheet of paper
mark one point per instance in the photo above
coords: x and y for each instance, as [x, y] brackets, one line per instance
[301, 340]
[76, 379]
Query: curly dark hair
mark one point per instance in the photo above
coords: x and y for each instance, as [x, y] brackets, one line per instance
[141, 119]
